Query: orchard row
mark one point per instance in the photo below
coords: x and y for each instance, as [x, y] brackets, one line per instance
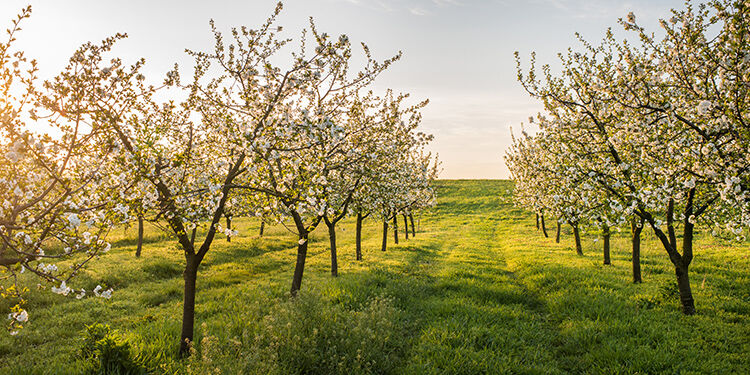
[653, 133]
[295, 144]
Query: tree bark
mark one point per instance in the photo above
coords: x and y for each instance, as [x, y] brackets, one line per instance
[413, 230]
[192, 235]
[359, 235]
[406, 228]
[262, 226]
[385, 235]
[299, 268]
[544, 227]
[190, 276]
[683, 280]
[636, 227]
[577, 236]
[537, 221]
[140, 237]
[332, 237]
[557, 236]
[682, 261]
[686, 294]
[395, 229]
[606, 234]
[229, 226]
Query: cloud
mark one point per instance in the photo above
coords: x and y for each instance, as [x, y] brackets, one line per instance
[602, 9]
[414, 7]
[419, 11]
[446, 3]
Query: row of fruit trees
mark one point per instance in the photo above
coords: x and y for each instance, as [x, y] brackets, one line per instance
[298, 144]
[652, 132]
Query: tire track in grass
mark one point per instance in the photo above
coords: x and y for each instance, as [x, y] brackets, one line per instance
[480, 319]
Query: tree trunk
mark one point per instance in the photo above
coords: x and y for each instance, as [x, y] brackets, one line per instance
[359, 236]
[636, 231]
[537, 221]
[606, 235]
[577, 236]
[385, 235]
[683, 280]
[299, 268]
[686, 294]
[682, 261]
[188, 306]
[332, 237]
[229, 227]
[544, 227]
[192, 235]
[140, 237]
[413, 231]
[262, 226]
[406, 228]
[557, 236]
[395, 229]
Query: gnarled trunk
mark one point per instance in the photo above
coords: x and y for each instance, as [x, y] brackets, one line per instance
[636, 226]
[413, 230]
[544, 227]
[557, 236]
[262, 226]
[140, 237]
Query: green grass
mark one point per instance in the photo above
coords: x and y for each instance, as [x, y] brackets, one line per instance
[478, 290]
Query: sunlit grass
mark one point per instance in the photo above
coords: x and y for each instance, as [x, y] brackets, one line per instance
[478, 290]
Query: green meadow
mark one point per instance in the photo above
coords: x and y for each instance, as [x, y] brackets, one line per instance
[478, 291]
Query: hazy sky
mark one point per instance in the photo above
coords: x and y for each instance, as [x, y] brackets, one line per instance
[457, 53]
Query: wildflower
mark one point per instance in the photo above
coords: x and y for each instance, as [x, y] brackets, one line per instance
[21, 316]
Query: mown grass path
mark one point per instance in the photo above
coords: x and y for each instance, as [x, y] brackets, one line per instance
[477, 291]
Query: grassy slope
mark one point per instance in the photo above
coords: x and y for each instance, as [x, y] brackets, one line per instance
[477, 291]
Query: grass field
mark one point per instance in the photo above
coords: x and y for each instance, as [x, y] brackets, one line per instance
[478, 290]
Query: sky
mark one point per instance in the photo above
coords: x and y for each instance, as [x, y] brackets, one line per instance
[457, 53]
